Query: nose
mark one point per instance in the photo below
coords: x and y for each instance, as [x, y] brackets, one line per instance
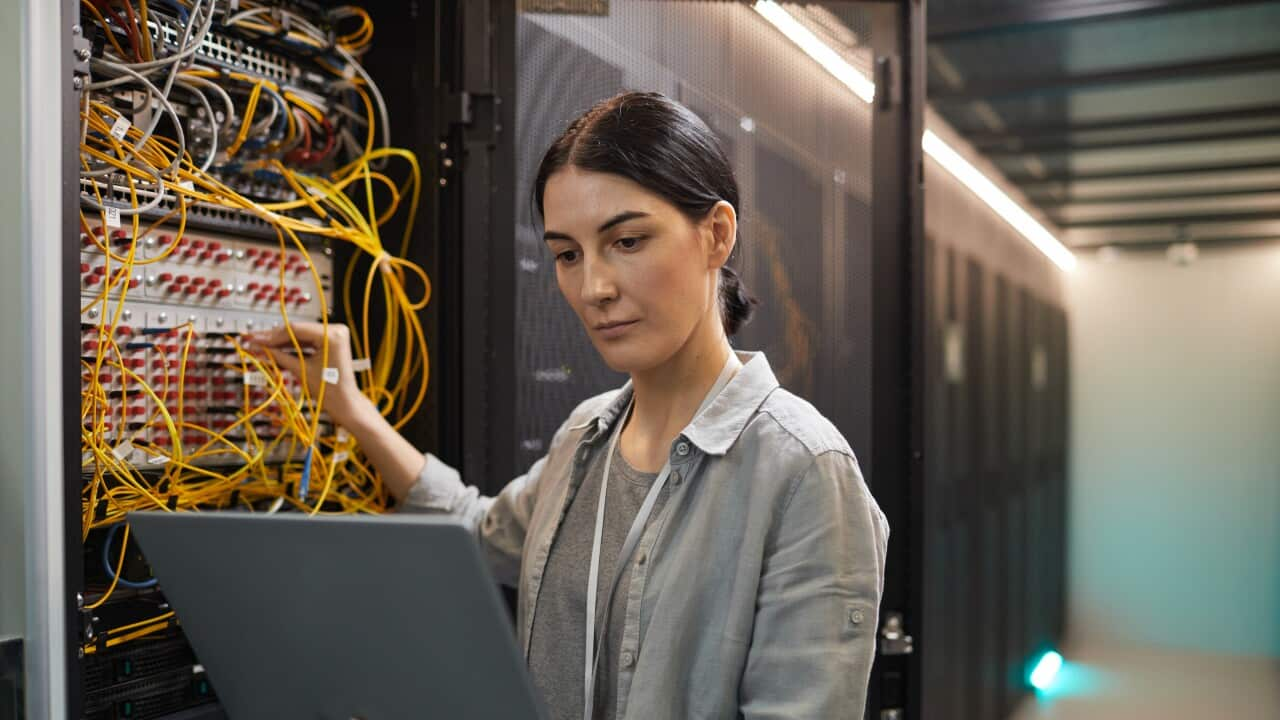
[598, 286]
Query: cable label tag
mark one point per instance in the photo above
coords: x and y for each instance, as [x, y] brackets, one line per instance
[113, 217]
[340, 456]
[359, 364]
[343, 436]
[120, 128]
[253, 377]
[157, 460]
[123, 450]
[348, 72]
[187, 185]
[330, 375]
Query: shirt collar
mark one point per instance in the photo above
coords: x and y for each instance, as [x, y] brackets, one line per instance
[719, 426]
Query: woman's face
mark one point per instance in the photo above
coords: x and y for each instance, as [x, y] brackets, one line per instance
[640, 275]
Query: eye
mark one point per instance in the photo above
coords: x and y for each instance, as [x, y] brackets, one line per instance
[630, 242]
[567, 256]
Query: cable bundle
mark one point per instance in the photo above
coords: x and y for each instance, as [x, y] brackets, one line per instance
[313, 167]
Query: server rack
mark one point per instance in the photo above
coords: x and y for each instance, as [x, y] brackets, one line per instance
[995, 496]
[408, 60]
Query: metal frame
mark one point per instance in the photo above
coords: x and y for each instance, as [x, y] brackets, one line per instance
[1019, 148]
[1015, 87]
[1022, 133]
[1141, 172]
[898, 324]
[68, 596]
[1048, 202]
[479, 75]
[1140, 220]
[1161, 244]
[1060, 12]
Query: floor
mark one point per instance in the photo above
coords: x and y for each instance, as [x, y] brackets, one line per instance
[1100, 683]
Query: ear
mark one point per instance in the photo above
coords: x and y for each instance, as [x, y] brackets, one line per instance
[720, 230]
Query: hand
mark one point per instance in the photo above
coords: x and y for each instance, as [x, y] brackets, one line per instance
[343, 400]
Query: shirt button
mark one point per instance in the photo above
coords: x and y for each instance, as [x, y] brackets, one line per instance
[855, 617]
[675, 478]
[682, 449]
[628, 659]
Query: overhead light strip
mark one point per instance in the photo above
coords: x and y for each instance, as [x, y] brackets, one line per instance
[937, 148]
[823, 53]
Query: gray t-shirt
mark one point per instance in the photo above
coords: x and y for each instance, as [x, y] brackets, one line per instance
[558, 637]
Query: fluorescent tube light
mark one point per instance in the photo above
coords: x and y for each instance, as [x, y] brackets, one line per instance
[821, 52]
[997, 200]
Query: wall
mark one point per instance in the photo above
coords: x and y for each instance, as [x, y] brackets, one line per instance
[32, 589]
[1175, 501]
[12, 296]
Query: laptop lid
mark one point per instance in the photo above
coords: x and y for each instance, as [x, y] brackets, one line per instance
[343, 617]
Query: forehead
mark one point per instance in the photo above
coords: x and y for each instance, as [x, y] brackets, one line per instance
[577, 198]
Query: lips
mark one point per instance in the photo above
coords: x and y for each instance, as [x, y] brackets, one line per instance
[616, 329]
[615, 324]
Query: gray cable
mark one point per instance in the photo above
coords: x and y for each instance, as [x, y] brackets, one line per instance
[173, 70]
[159, 198]
[213, 123]
[127, 73]
[229, 119]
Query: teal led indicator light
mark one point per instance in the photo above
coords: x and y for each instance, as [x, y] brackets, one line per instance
[1046, 670]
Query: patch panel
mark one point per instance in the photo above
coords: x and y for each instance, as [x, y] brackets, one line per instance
[210, 270]
[187, 357]
[186, 301]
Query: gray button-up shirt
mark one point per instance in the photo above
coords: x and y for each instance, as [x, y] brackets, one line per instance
[760, 593]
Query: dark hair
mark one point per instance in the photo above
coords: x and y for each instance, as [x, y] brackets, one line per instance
[665, 148]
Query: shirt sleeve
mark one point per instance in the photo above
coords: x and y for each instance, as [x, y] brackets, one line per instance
[818, 601]
[500, 523]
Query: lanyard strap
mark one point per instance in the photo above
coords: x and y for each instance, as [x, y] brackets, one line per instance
[591, 658]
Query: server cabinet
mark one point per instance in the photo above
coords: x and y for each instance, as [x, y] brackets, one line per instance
[995, 485]
[831, 230]
[161, 675]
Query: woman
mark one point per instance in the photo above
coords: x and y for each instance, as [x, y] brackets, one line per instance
[732, 563]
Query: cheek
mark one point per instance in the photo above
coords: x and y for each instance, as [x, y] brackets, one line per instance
[669, 287]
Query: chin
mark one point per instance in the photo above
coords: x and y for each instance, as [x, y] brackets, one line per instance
[631, 355]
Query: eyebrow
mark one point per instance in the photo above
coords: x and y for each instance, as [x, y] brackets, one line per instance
[616, 219]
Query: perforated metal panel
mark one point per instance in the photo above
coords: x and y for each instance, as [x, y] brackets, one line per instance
[800, 143]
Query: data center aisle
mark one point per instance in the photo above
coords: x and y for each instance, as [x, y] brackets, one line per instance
[1129, 683]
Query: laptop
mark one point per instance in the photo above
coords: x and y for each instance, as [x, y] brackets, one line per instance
[340, 617]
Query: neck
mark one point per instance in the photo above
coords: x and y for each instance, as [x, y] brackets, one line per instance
[667, 396]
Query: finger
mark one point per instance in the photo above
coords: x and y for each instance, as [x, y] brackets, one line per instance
[307, 333]
[284, 359]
